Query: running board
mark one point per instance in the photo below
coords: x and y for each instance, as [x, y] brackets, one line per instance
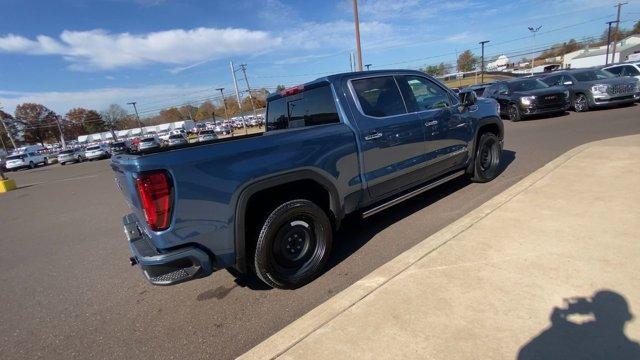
[411, 194]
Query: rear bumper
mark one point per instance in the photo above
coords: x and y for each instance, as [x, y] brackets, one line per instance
[167, 267]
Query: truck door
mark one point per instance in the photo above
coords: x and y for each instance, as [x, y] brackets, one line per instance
[392, 140]
[447, 129]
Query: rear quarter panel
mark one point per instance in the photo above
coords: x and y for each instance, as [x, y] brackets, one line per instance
[209, 179]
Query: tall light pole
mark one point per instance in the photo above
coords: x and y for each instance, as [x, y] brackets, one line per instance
[606, 60]
[482, 61]
[243, 67]
[533, 30]
[224, 103]
[235, 84]
[613, 57]
[64, 145]
[136, 110]
[357, 25]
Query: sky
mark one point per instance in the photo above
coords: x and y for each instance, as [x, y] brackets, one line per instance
[91, 53]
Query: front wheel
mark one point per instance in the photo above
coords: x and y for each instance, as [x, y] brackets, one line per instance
[31, 165]
[514, 113]
[486, 163]
[293, 245]
[580, 103]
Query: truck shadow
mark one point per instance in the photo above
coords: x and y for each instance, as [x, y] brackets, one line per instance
[600, 337]
[356, 232]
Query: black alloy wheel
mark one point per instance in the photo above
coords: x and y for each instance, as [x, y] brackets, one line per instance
[514, 113]
[293, 245]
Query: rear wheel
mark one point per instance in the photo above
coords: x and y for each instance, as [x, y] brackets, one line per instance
[293, 245]
[46, 161]
[514, 113]
[487, 160]
[62, 163]
[580, 103]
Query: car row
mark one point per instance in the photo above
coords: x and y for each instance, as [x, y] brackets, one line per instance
[558, 91]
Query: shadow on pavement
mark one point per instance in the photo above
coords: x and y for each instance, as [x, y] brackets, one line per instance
[600, 337]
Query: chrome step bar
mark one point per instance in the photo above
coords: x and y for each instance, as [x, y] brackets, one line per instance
[411, 194]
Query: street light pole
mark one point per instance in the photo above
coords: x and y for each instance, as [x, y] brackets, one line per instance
[367, 66]
[224, 103]
[136, 110]
[64, 145]
[533, 30]
[482, 61]
[357, 25]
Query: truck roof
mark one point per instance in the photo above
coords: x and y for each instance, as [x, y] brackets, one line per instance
[339, 77]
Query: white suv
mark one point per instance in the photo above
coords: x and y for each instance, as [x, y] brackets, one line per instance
[626, 69]
[98, 151]
[25, 160]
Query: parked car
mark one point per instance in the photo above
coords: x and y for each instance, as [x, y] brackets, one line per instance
[119, 147]
[97, 152]
[590, 88]
[71, 156]
[148, 143]
[206, 135]
[24, 160]
[223, 129]
[270, 202]
[177, 139]
[524, 97]
[626, 69]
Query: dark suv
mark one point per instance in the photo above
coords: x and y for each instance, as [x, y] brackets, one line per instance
[594, 88]
[524, 97]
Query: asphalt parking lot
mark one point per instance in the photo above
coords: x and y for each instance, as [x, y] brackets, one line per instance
[69, 292]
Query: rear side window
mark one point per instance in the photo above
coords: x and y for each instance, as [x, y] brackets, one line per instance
[310, 107]
[379, 96]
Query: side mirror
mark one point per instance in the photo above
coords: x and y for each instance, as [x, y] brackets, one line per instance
[569, 82]
[468, 98]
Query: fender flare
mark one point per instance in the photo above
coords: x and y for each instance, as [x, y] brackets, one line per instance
[273, 180]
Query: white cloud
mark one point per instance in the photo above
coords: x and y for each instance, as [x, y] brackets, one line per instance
[148, 97]
[100, 50]
[335, 34]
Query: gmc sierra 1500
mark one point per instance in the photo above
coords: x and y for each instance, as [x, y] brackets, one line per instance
[269, 203]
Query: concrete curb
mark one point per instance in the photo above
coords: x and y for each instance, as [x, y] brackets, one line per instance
[298, 330]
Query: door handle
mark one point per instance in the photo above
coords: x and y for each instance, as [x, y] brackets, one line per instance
[431, 123]
[373, 135]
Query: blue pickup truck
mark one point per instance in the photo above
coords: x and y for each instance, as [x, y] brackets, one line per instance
[269, 203]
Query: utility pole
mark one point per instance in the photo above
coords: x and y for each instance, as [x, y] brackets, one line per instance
[137, 116]
[606, 60]
[613, 57]
[243, 67]
[64, 145]
[13, 143]
[357, 25]
[482, 61]
[235, 84]
[224, 103]
[533, 30]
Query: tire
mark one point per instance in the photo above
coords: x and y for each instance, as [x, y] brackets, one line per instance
[31, 165]
[486, 162]
[293, 245]
[514, 113]
[580, 103]
[62, 163]
[46, 161]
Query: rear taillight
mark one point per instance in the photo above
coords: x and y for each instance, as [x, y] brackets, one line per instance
[156, 197]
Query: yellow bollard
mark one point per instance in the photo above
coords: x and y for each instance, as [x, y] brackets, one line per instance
[7, 185]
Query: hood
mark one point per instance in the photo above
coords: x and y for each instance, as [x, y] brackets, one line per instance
[539, 92]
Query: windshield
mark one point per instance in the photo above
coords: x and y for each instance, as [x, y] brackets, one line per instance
[16, 157]
[591, 75]
[91, 148]
[527, 85]
[66, 152]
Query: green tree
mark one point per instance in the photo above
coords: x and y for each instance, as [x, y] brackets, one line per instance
[39, 123]
[466, 61]
[280, 87]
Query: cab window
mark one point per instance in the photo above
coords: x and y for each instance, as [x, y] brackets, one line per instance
[553, 80]
[314, 106]
[423, 94]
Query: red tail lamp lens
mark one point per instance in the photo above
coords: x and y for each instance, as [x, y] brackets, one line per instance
[156, 196]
